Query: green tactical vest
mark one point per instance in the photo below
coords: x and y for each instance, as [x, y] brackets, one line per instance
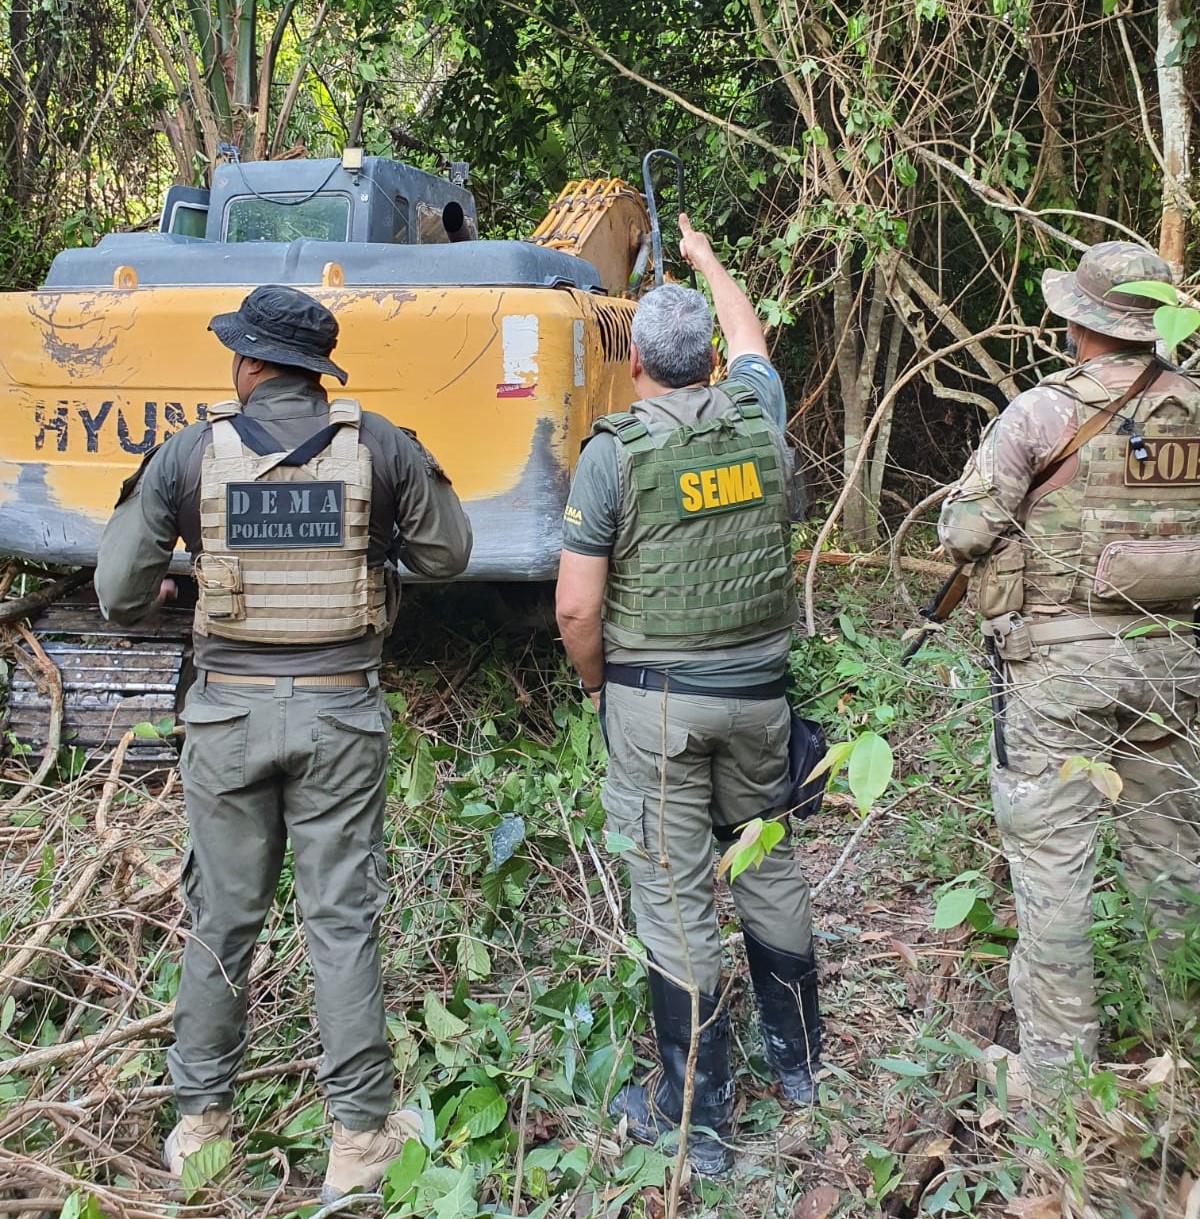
[702, 559]
[1119, 533]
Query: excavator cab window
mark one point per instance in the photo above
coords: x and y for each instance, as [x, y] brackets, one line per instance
[185, 212]
[287, 217]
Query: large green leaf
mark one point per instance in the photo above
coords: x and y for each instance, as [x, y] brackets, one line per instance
[422, 776]
[953, 907]
[440, 1023]
[204, 1166]
[1175, 324]
[1155, 289]
[870, 769]
[480, 1112]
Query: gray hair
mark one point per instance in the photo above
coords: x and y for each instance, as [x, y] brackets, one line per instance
[673, 331]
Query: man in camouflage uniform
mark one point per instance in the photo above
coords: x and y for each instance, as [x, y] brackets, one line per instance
[287, 727]
[1086, 572]
[676, 602]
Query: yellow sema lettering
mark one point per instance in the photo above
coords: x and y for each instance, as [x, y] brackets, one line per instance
[720, 487]
[572, 515]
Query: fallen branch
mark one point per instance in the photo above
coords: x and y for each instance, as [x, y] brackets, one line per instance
[45, 672]
[26, 607]
[927, 567]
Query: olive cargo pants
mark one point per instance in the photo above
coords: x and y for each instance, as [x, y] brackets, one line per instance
[678, 766]
[1094, 700]
[261, 765]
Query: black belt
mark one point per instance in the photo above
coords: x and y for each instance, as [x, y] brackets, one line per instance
[655, 679]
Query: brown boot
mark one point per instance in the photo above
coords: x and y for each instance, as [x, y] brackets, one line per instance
[192, 1132]
[358, 1158]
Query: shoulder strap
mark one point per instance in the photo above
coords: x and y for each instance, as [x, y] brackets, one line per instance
[346, 415]
[1096, 424]
[626, 427]
[223, 410]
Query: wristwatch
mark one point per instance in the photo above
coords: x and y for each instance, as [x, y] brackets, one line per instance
[590, 690]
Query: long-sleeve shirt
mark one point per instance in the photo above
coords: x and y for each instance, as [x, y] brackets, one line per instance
[415, 516]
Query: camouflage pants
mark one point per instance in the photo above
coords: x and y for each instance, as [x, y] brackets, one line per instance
[1094, 700]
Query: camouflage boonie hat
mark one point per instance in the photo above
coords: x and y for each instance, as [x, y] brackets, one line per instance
[1084, 295]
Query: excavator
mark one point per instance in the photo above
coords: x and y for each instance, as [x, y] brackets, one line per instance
[498, 354]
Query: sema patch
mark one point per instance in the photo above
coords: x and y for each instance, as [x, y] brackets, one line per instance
[707, 489]
[262, 516]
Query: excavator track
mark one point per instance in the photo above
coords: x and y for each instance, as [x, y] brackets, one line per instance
[112, 678]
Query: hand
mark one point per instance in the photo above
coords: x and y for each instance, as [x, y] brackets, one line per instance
[595, 700]
[168, 590]
[694, 246]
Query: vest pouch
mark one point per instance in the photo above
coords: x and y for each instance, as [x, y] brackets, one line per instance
[1149, 572]
[1000, 582]
[1010, 636]
[219, 580]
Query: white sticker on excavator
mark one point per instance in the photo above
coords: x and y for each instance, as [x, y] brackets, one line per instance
[578, 351]
[519, 341]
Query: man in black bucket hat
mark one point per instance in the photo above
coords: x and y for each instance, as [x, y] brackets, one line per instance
[1081, 514]
[283, 327]
[290, 506]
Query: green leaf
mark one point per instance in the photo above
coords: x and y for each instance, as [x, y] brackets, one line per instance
[473, 958]
[902, 1066]
[1155, 289]
[743, 858]
[422, 776]
[440, 1023]
[618, 844]
[953, 907]
[1175, 324]
[870, 769]
[771, 836]
[834, 759]
[7, 1012]
[402, 1172]
[204, 1166]
[481, 1111]
[145, 730]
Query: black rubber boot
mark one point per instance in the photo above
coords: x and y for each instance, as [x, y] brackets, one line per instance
[655, 1109]
[785, 986]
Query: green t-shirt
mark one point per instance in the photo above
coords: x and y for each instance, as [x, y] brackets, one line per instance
[592, 520]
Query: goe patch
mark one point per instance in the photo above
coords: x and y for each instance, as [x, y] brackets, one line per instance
[262, 516]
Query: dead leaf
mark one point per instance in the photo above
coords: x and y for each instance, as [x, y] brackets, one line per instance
[905, 953]
[1191, 1208]
[991, 1116]
[937, 1149]
[1105, 779]
[869, 937]
[1160, 1069]
[652, 1200]
[1044, 1206]
[817, 1203]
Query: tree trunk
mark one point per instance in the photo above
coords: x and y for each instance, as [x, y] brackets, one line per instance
[1176, 130]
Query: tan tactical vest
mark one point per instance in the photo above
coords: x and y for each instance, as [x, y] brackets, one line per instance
[285, 546]
[1117, 534]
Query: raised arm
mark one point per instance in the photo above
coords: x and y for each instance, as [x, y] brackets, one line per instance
[739, 323]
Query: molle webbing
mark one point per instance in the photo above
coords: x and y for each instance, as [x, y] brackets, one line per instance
[302, 594]
[1068, 528]
[708, 565]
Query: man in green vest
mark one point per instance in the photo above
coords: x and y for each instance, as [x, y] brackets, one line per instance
[1081, 513]
[676, 604]
[287, 727]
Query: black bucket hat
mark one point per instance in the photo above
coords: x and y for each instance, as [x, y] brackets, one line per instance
[282, 326]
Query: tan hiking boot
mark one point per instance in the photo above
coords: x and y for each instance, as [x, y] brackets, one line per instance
[193, 1131]
[358, 1158]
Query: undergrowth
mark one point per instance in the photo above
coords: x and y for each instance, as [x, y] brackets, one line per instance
[516, 994]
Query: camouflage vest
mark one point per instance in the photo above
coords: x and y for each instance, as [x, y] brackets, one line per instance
[1114, 533]
[284, 556]
[702, 558]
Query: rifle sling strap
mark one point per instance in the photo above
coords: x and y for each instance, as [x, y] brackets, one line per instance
[1096, 424]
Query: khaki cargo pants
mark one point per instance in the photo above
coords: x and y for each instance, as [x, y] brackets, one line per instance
[1094, 700]
[262, 765]
[678, 766]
